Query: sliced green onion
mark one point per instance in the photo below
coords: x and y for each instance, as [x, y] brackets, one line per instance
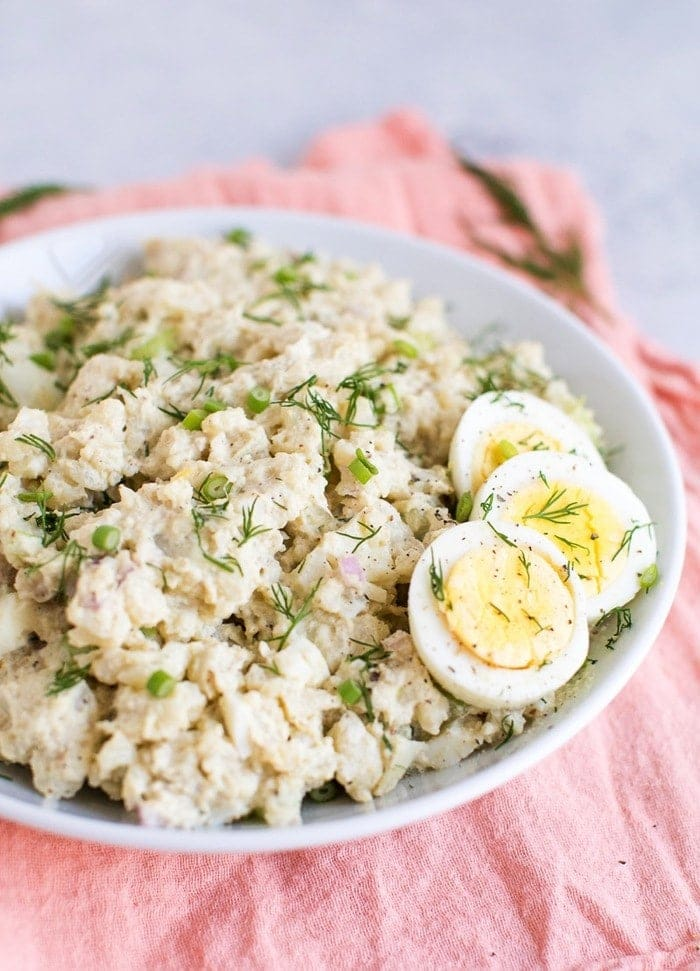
[161, 684]
[405, 349]
[106, 538]
[193, 419]
[506, 450]
[161, 343]
[44, 359]
[464, 507]
[325, 793]
[362, 468]
[285, 276]
[213, 404]
[215, 487]
[150, 632]
[350, 691]
[649, 578]
[239, 237]
[258, 399]
[62, 335]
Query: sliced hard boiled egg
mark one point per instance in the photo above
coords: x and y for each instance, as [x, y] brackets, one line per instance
[595, 519]
[501, 424]
[496, 615]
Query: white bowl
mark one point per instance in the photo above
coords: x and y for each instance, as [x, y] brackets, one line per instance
[476, 295]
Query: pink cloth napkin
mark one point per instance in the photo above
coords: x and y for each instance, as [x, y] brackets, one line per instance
[588, 861]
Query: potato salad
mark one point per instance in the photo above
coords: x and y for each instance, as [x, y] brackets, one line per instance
[271, 531]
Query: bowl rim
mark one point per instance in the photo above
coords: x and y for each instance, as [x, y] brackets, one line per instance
[48, 816]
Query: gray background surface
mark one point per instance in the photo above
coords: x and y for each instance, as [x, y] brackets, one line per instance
[98, 92]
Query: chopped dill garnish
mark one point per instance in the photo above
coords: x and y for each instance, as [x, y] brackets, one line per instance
[228, 563]
[623, 621]
[172, 411]
[487, 505]
[212, 498]
[6, 334]
[210, 367]
[38, 443]
[105, 346]
[437, 583]
[24, 198]
[626, 542]
[51, 522]
[248, 529]
[6, 396]
[526, 565]
[371, 533]
[535, 621]
[372, 656]
[559, 515]
[501, 536]
[508, 726]
[292, 288]
[72, 556]
[318, 407]
[83, 310]
[284, 604]
[360, 385]
[498, 610]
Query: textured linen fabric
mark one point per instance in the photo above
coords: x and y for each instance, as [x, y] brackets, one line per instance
[589, 860]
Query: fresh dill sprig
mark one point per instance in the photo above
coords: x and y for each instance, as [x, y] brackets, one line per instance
[38, 443]
[360, 385]
[6, 396]
[292, 288]
[487, 505]
[283, 602]
[28, 196]
[501, 536]
[623, 621]
[499, 371]
[318, 407]
[526, 565]
[359, 540]
[7, 328]
[227, 563]
[248, 528]
[82, 311]
[626, 541]
[51, 522]
[558, 268]
[508, 727]
[211, 367]
[559, 515]
[105, 346]
[212, 498]
[70, 673]
[437, 582]
[501, 613]
[72, 556]
[372, 656]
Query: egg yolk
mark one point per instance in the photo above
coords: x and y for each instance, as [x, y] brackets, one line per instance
[582, 524]
[503, 442]
[509, 607]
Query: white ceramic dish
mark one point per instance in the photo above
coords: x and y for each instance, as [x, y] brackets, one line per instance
[477, 295]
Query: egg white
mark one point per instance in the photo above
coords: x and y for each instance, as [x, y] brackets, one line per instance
[458, 669]
[524, 470]
[495, 408]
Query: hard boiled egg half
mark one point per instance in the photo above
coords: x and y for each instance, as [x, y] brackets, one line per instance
[496, 615]
[501, 424]
[595, 519]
